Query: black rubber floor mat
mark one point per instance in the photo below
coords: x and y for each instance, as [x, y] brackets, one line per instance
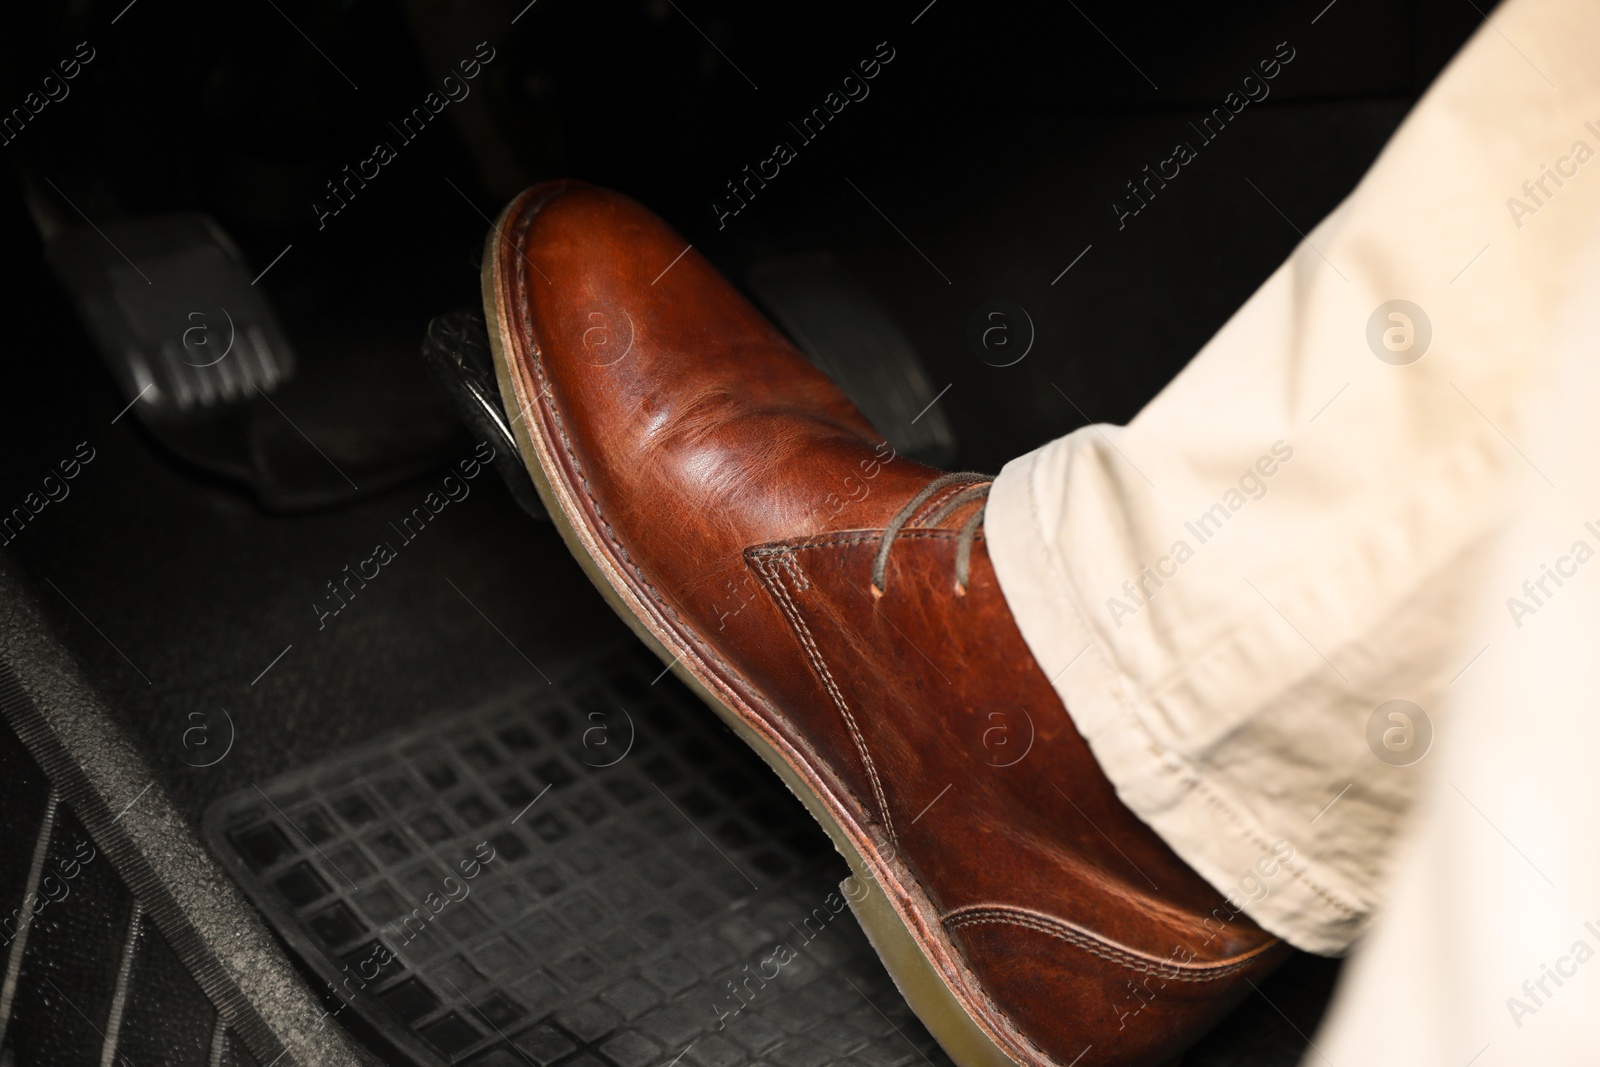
[594, 872]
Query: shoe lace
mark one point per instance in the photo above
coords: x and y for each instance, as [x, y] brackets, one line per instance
[978, 487]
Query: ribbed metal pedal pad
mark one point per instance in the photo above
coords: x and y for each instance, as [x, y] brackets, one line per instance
[594, 872]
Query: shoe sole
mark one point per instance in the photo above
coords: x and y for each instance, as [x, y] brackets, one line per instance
[903, 940]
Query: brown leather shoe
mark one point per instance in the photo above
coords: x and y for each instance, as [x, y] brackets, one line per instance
[835, 604]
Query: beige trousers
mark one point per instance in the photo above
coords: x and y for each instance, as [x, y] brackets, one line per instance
[1333, 594]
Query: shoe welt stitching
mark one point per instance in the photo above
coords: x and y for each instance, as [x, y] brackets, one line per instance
[781, 593]
[981, 916]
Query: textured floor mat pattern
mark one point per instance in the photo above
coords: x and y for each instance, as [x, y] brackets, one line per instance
[593, 872]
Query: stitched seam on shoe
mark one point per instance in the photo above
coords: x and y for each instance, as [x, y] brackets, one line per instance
[789, 609]
[854, 538]
[797, 622]
[930, 506]
[1095, 946]
[792, 567]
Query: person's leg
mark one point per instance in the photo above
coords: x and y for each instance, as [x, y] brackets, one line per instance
[1484, 950]
[1290, 535]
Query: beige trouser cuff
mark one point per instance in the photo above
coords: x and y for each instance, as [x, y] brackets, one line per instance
[1301, 527]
